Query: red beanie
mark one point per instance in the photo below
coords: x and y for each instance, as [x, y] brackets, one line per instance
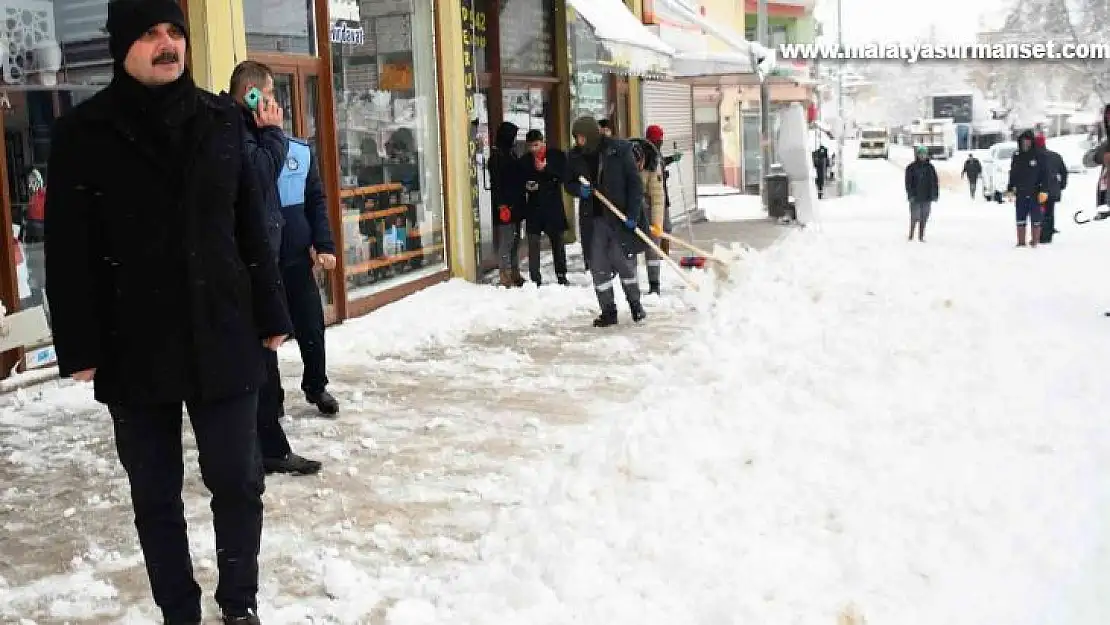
[654, 133]
[1039, 140]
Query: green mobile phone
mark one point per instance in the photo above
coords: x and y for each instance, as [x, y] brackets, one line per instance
[253, 98]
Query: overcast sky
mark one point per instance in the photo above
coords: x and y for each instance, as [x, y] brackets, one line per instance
[900, 20]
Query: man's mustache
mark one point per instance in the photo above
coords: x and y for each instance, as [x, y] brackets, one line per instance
[167, 56]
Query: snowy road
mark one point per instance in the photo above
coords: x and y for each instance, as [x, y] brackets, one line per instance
[918, 430]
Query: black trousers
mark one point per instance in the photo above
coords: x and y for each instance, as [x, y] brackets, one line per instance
[272, 442]
[558, 252]
[586, 232]
[148, 440]
[1048, 224]
[307, 313]
[973, 183]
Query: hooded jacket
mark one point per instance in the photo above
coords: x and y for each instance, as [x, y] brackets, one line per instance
[1056, 171]
[543, 193]
[609, 166]
[506, 176]
[922, 184]
[1027, 168]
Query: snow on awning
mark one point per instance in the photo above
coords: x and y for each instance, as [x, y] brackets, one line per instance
[633, 48]
[741, 48]
[690, 63]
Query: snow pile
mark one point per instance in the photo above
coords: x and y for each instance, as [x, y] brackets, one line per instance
[841, 431]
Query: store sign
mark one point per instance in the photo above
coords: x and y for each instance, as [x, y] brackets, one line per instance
[343, 34]
[345, 10]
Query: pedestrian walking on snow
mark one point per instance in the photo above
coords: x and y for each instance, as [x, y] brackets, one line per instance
[1056, 180]
[163, 292]
[922, 189]
[972, 170]
[1027, 185]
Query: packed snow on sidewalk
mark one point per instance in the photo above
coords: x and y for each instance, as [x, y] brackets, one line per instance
[913, 431]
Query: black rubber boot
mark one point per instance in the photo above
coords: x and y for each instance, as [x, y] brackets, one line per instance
[638, 312]
[607, 318]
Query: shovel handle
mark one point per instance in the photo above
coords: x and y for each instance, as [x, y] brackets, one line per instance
[643, 237]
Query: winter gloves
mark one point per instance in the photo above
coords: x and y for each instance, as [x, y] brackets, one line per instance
[585, 191]
[630, 223]
[505, 213]
[656, 231]
[1042, 197]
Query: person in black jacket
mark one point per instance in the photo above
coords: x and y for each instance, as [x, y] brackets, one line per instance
[608, 165]
[1027, 185]
[163, 291]
[268, 150]
[1056, 180]
[972, 170]
[507, 191]
[821, 165]
[922, 189]
[544, 173]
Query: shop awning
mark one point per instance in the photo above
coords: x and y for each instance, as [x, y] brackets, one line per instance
[741, 58]
[632, 47]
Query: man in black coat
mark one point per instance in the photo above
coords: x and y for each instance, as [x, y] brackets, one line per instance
[163, 290]
[821, 165]
[922, 189]
[544, 172]
[1027, 186]
[269, 152]
[1056, 180]
[972, 170]
[609, 167]
[507, 195]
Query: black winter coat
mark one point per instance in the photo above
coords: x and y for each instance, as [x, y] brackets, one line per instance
[618, 179]
[1056, 174]
[544, 193]
[1027, 170]
[506, 174]
[162, 279]
[922, 184]
[972, 169]
[265, 149]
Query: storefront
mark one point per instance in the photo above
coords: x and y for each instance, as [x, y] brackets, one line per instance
[358, 79]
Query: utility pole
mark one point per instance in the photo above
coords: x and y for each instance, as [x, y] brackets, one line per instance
[764, 107]
[841, 188]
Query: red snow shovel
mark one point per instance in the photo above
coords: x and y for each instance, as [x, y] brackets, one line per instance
[643, 237]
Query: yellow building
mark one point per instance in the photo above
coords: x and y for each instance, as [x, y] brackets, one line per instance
[397, 97]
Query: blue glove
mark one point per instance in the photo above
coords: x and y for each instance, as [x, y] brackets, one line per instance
[585, 191]
[631, 224]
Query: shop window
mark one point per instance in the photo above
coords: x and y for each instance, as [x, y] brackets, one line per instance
[388, 140]
[591, 89]
[286, 26]
[526, 28]
[55, 57]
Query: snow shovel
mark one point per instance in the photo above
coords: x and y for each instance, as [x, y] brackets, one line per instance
[640, 233]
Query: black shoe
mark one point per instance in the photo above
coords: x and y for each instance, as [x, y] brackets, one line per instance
[653, 288]
[638, 312]
[324, 402]
[248, 619]
[606, 319]
[186, 622]
[563, 281]
[291, 464]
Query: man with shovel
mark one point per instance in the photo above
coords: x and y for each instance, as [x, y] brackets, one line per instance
[608, 166]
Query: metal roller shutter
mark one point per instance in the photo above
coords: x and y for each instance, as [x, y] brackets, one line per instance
[670, 105]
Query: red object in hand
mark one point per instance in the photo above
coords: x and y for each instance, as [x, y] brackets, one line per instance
[541, 154]
[692, 261]
[506, 214]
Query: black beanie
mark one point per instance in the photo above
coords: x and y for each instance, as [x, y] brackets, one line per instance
[129, 19]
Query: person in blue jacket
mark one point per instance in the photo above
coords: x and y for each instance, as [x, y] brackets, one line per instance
[295, 206]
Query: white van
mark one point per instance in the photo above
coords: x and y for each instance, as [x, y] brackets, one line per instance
[996, 170]
[874, 143]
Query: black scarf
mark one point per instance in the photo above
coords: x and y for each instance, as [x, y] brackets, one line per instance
[160, 115]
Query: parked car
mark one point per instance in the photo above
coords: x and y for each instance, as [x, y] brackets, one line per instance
[996, 170]
[1071, 148]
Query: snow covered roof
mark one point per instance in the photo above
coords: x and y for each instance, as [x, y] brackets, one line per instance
[622, 34]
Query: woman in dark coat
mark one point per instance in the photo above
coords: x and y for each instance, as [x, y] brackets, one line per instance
[507, 190]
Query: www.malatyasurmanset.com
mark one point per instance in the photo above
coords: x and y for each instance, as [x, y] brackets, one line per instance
[1050, 51]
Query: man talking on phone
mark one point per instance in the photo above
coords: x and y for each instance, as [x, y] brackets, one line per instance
[267, 151]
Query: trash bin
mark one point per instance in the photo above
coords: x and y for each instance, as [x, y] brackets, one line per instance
[777, 186]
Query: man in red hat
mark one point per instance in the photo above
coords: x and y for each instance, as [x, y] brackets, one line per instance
[654, 135]
[1056, 180]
